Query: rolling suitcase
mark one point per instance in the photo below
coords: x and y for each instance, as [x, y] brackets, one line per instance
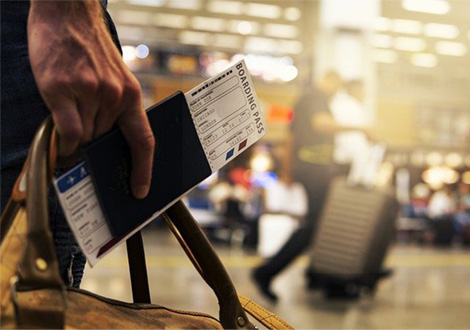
[352, 237]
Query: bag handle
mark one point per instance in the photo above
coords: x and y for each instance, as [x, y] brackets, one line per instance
[208, 264]
[206, 261]
[38, 268]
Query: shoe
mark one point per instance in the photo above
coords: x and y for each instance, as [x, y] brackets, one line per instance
[262, 283]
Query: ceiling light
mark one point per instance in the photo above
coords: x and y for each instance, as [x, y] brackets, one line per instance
[150, 3]
[451, 48]
[194, 38]
[263, 10]
[256, 44]
[407, 26]
[244, 27]
[434, 159]
[170, 20]
[288, 73]
[184, 4]
[290, 47]
[445, 31]
[128, 53]
[292, 14]
[226, 40]
[454, 160]
[382, 24]
[409, 44]
[281, 30]
[438, 7]
[225, 7]
[424, 60]
[384, 56]
[133, 17]
[207, 23]
[381, 41]
[142, 51]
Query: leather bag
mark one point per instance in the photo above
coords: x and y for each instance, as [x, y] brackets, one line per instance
[33, 294]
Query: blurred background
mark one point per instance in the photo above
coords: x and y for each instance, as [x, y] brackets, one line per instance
[401, 76]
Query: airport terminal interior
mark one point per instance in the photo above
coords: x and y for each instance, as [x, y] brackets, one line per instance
[385, 166]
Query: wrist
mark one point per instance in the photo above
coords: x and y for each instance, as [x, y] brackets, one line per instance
[47, 11]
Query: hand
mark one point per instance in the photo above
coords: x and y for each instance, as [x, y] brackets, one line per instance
[85, 84]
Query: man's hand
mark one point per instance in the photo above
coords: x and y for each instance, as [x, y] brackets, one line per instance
[85, 83]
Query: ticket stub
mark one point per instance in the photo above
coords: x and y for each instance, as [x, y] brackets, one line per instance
[227, 118]
[82, 210]
[226, 114]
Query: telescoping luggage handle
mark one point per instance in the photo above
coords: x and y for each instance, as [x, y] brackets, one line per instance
[38, 269]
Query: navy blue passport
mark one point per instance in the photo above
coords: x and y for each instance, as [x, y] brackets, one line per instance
[179, 164]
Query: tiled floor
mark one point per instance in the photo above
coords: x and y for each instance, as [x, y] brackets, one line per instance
[429, 289]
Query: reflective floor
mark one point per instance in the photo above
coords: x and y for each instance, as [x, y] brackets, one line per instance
[429, 287]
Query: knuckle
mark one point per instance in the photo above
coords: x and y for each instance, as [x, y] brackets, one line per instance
[53, 84]
[72, 132]
[133, 89]
[89, 83]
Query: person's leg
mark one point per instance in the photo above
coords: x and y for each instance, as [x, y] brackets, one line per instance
[300, 240]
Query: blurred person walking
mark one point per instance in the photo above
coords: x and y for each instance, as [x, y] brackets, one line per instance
[322, 138]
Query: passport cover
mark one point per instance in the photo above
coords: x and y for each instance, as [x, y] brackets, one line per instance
[179, 164]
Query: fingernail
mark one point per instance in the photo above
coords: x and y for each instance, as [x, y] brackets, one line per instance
[141, 192]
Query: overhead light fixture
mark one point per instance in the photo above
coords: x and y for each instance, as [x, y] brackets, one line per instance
[174, 21]
[409, 44]
[290, 47]
[150, 3]
[292, 14]
[381, 41]
[444, 31]
[384, 56]
[280, 30]
[226, 40]
[434, 159]
[437, 7]
[225, 7]
[128, 53]
[437, 176]
[184, 4]
[382, 24]
[407, 26]
[133, 17]
[263, 10]
[451, 48]
[142, 51]
[454, 160]
[424, 60]
[194, 38]
[244, 28]
[208, 23]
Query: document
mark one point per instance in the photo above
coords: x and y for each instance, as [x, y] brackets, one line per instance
[197, 133]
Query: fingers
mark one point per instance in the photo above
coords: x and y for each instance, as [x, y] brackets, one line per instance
[134, 125]
[69, 125]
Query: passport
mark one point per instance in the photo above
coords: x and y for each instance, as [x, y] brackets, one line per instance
[179, 164]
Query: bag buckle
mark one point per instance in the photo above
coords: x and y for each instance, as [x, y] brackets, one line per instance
[14, 281]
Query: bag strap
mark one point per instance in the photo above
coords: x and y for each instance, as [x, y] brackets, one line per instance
[207, 263]
[38, 269]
